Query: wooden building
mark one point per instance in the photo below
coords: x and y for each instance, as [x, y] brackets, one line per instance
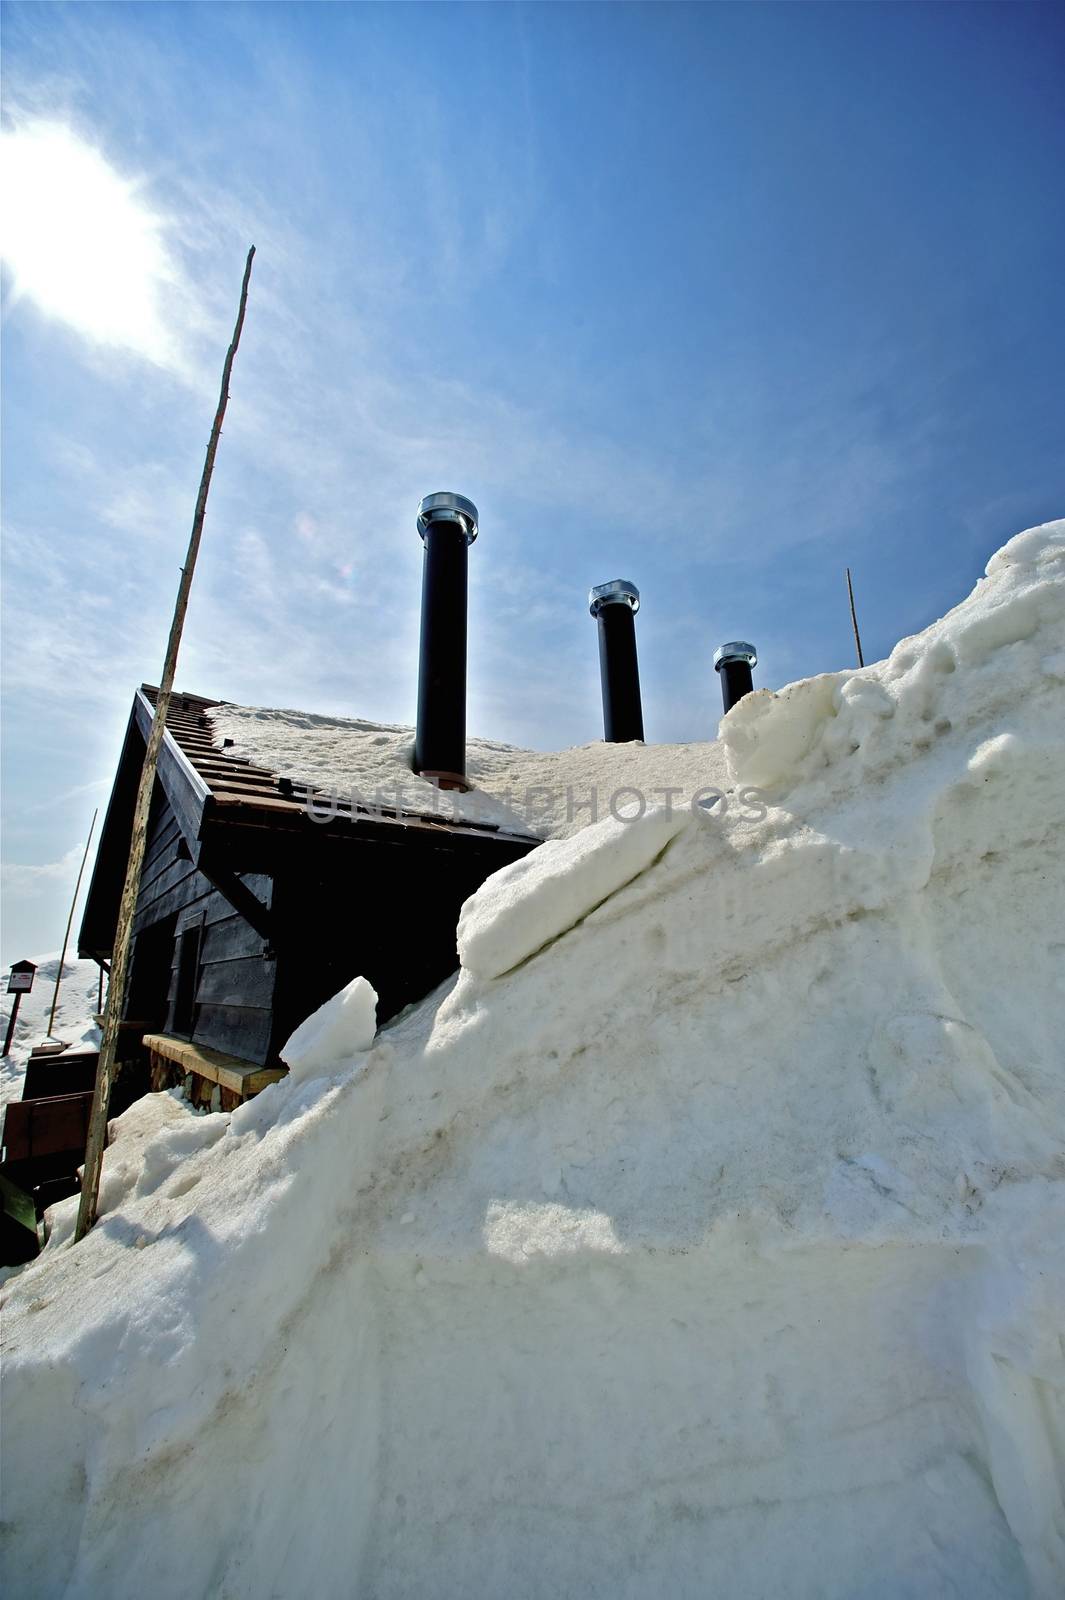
[251, 914]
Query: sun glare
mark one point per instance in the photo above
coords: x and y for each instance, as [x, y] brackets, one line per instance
[78, 241]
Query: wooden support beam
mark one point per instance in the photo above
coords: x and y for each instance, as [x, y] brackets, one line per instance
[240, 897]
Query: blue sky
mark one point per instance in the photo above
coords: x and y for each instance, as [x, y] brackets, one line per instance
[718, 298]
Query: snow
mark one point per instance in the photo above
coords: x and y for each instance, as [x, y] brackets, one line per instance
[548, 795]
[521, 908]
[715, 1247]
[130, 1166]
[330, 1036]
[78, 999]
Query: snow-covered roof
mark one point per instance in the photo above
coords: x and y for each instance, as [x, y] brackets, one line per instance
[548, 794]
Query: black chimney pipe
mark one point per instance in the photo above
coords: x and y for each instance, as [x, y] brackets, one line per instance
[448, 526]
[614, 606]
[734, 662]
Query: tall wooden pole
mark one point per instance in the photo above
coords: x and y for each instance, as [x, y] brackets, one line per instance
[70, 919]
[854, 620]
[116, 990]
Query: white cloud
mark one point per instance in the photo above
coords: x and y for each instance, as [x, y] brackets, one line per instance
[30, 879]
[81, 242]
[36, 900]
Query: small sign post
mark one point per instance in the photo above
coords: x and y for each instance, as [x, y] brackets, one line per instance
[19, 982]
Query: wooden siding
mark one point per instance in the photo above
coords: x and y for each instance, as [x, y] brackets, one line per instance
[391, 920]
[235, 984]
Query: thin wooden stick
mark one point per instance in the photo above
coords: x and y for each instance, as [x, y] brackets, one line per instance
[854, 620]
[116, 989]
[70, 919]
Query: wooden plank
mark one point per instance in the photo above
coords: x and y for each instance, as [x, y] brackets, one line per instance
[215, 772]
[237, 1030]
[185, 893]
[216, 908]
[243, 1077]
[62, 1075]
[232, 806]
[181, 700]
[199, 750]
[192, 916]
[334, 853]
[274, 804]
[128, 1024]
[237, 769]
[260, 884]
[170, 877]
[241, 898]
[163, 840]
[242, 981]
[231, 783]
[184, 788]
[228, 939]
[38, 1128]
[154, 883]
[211, 752]
[105, 886]
[212, 770]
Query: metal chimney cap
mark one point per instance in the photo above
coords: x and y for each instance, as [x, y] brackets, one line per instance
[619, 591]
[447, 507]
[735, 650]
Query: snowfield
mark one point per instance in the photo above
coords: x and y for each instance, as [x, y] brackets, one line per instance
[704, 1236]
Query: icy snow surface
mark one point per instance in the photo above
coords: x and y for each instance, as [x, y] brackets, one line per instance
[523, 906]
[715, 1248]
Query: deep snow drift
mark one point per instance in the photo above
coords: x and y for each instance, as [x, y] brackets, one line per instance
[704, 1236]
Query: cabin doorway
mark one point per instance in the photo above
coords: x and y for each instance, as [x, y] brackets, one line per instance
[186, 979]
[148, 1006]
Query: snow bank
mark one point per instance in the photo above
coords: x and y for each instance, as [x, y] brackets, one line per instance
[522, 907]
[129, 1167]
[715, 1248]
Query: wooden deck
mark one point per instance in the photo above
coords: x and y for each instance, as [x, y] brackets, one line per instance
[236, 1079]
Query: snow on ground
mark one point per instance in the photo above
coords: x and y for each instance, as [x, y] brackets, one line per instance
[128, 1163]
[78, 998]
[715, 1247]
[550, 795]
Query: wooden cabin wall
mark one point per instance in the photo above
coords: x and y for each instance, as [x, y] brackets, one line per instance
[391, 919]
[349, 927]
[234, 994]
